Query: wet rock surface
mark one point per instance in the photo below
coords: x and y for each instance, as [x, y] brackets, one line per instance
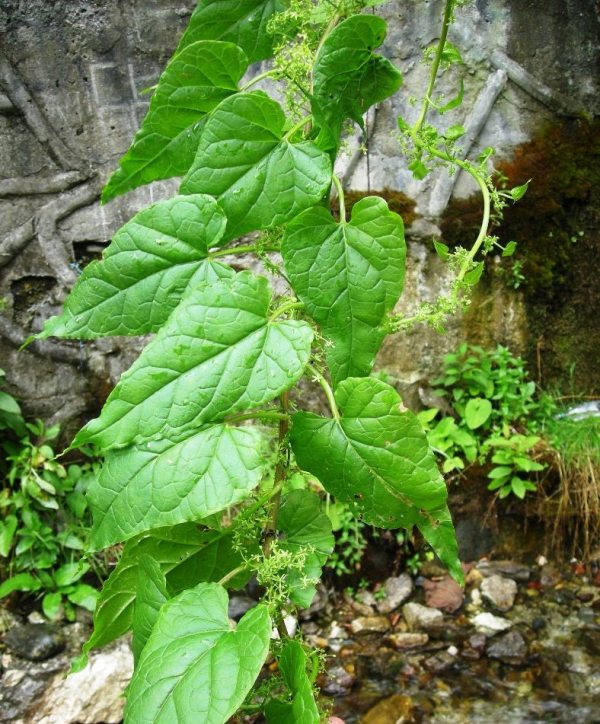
[499, 591]
[37, 691]
[35, 642]
[514, 650]
[396, 590]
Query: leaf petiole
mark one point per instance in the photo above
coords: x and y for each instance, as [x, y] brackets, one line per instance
[285, 308]
[340, 193]
[327, 390]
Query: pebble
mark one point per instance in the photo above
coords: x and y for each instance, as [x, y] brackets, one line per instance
[510, 569]
[397, 708]
[474, 646]
[339, 681]
[403, 641]
[419, 617]
[549, 576]
[35, 641]
[439, 662]
[397, 590]
[445, 595]
[239, 605]
[487, 623]
[510, 648]
[499, 591]
[370, 624]
[587, 615]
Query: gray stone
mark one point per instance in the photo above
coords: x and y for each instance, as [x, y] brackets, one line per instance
[397, 590]
[510, 648]
[499, 591]
[439, 663]
[238, 605]
[370, 624]
[489, 624]
[90, 696]
[421, 618]
[403, 641]
[509, 569]
[35, 641]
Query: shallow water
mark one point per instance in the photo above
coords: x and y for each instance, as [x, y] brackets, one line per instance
[554, 678]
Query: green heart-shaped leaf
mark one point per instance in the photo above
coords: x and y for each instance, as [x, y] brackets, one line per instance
[260, 178]
[243, 23]
[162, 483]
[376, 458]
[144, 271]
[218, 354]
[194, 82]
[349, 275]
[349, 78]
[194, 667]
[477, 412]
[185, 554]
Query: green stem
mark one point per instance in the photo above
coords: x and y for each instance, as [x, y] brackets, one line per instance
[483, 229]
[285, 308]
[258, 78]
[280, 473]
[434, 68]
[340, 192]
[297, 127]
[327, 390]
[232, 574]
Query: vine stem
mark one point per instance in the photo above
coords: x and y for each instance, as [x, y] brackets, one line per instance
[340, 193]
[483, 229]
[434, 68]
[297, 127]
[258, 78]
[327, 390]
[285, 308]
[232, 574]
[280, 473]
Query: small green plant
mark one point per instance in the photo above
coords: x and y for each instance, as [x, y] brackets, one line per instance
[350, 540]
[496, 409]
[45, 523]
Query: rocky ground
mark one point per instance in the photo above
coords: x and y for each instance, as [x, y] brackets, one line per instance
[520, 644]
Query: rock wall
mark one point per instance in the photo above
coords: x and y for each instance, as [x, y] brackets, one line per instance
[72, 76]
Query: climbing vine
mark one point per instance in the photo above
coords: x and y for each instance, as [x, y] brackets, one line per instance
[186, 485]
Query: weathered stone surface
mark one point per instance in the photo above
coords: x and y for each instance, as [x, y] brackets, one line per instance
[238, 605]
[35, 641]
[370, 624]
[509, 569]
[84, 70]
[446, 594]
[397, 590]
[403, 641]
[489, 624]
[397, 708]
[499, 591]
[91, 696]
[421, 618]
[510, 648]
